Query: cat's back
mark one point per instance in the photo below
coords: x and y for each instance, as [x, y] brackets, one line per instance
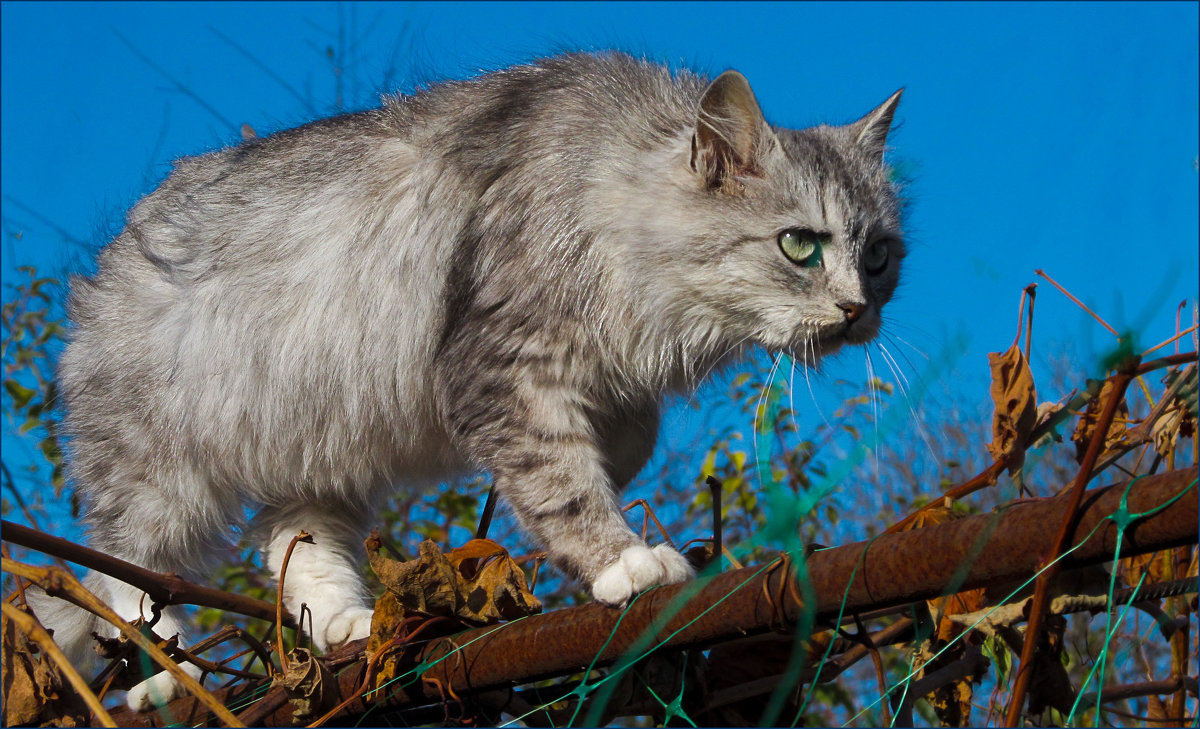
[304, 278]
[564, 114]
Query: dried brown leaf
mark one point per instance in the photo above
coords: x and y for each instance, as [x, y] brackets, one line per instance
[929, 517]
[388, 614]
[310, 685]
[951, 702]
[1090, 418]
[1015, 401]
[22, 704]
[476, 549]
[967, 601]
[34, 689]
[1176, 423]
[477, 582]
[701, 556]
[497, 590]
[425, 584]
[955, 698]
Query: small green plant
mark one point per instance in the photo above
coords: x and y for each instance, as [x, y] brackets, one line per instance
[33, 336]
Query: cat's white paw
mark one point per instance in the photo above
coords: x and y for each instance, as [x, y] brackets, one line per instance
[675, 566]
[346, 626]
[159, 689]
[637, 568]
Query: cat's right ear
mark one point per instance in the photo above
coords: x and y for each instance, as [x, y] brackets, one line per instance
[871, 131]
[730, 130]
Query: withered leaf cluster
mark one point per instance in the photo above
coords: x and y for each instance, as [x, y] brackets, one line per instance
[477, 583]
[35, 691]
[1179, 420]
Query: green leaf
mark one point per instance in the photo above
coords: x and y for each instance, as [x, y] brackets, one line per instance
[21, 395]
[995, 648]
[51, 451]
[709, 467]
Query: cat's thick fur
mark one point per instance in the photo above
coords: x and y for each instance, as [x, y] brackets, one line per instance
[506, 273]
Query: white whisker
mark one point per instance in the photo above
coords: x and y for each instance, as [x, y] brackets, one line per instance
[792, 393]
[908, 344]
[758, 408]
[907, 361]
[807, 342]
[874, 407]
[902, 381]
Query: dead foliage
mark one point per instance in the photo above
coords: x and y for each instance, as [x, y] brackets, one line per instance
[35, 690]
[477, 583]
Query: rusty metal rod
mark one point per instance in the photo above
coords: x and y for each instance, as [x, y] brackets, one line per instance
[895, 569]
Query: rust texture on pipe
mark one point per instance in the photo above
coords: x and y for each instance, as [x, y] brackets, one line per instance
[893, 569]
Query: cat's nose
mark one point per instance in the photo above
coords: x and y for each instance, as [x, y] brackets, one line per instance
[853, 310]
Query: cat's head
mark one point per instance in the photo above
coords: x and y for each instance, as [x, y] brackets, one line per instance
[790, 239]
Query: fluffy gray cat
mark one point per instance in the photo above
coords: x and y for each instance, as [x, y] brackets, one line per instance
[502, 274]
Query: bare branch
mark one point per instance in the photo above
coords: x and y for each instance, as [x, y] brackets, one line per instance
[166, 589]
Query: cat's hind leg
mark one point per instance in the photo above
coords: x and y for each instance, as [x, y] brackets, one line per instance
[165, 521]
[73, 628]
[324, 575]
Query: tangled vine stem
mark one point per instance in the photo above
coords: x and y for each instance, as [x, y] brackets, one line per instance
[305, 537]
[647, 515]
[988, 476]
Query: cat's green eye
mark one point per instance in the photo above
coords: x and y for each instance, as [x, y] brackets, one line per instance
[802, 247]
[875, 257]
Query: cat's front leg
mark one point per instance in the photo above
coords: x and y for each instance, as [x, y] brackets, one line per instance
[547, 461]
[568, 506]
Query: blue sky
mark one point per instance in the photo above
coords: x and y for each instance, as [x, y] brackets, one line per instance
[1054, 136]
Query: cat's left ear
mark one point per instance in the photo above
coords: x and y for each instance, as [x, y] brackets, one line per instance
[730, 132]
[871, 131]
